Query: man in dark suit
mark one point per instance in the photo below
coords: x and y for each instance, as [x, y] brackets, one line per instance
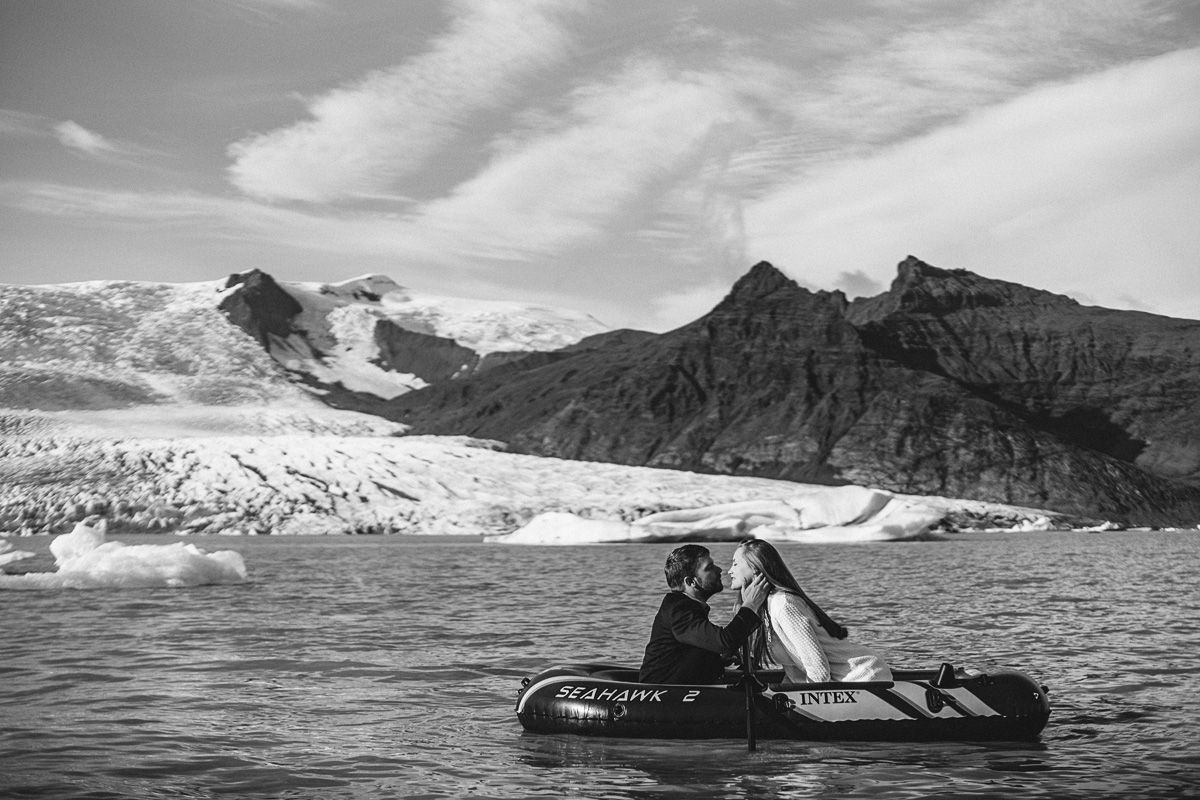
[684, 646]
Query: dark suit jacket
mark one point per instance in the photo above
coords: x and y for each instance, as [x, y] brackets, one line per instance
[685, 647]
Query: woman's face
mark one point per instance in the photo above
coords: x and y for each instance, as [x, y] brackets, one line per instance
[740, 571]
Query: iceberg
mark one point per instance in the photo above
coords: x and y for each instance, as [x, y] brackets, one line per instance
[85, 560]
[560, 527]
[822, 515]
[9, 555]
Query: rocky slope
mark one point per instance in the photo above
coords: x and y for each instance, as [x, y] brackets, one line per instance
[948, 384]
[1123, 383]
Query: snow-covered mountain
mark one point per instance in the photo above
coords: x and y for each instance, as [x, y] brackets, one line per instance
[374, 337]
[181, 356]
[112, 344]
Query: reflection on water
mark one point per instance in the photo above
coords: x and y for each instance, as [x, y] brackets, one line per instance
[386, 667]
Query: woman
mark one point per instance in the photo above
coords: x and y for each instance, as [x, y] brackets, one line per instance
[801, 637]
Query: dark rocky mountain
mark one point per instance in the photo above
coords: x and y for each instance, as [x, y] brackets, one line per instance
[1123, 383]
[949, 383]
[260, 306]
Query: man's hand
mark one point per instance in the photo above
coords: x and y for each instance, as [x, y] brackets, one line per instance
[754, 594]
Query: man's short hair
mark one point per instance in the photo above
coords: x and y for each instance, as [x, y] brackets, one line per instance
[682, 563]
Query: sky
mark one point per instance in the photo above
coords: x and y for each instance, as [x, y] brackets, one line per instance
[627, 159]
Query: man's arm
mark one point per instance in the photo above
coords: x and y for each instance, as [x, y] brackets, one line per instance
[690, 625]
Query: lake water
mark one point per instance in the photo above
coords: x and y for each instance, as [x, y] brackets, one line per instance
[388, 667]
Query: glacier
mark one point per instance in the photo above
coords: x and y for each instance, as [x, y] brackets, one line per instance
[235, 474]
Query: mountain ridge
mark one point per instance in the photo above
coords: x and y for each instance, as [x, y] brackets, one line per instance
[949, 383]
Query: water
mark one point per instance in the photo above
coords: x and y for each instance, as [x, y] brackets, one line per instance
[387, 667]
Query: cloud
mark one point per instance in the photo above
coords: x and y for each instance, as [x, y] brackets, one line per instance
[604, 163]
[864, 79]
[1076, 177]
[674, 309]
[600, 163]
[74, 136]
[21, 124]
[594, 167]
[70, 135]
[262, 6]
[232, 218]
[362, 137]
[857, 284]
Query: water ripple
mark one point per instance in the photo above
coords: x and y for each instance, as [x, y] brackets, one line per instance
[348, 668]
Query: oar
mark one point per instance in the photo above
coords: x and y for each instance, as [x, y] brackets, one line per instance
[748, 668]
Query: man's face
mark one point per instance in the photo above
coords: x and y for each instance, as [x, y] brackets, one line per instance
[708, 577]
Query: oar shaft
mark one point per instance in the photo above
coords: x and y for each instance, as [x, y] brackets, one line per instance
[748, 668]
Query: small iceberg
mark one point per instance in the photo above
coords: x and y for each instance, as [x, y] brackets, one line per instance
[85, 560]
[820, 516]
[8, 555]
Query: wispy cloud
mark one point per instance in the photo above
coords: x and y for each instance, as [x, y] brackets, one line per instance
[283, 5]
[673, 309]
[1032, 182]
[616, 148]
[74, 136]
[569, 138]
[364, 136]
[69, 134]
[858, 284]
[600, 161]
[225, 217]
[22, 124]
[866, 80]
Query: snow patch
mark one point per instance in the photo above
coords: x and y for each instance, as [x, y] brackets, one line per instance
[485, 326]
[349, 357]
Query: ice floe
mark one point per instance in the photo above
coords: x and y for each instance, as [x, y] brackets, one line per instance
[86, 560]
[818, 515]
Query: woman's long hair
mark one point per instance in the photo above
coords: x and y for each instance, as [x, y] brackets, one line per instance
[762, 556]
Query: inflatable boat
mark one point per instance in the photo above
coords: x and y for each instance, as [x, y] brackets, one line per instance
[941, 704]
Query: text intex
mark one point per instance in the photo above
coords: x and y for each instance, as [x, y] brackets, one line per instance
[824, 698]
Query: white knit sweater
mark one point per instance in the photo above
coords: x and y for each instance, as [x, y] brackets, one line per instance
[797, 642]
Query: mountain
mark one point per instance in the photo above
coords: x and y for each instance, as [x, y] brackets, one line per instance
[1123, 383]
[948, 384]
[114, 344]
[104, 347]
[369, 339]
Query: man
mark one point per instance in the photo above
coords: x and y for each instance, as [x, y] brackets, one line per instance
[684, 646]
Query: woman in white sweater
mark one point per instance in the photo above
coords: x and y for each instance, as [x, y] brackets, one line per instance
[800, 637]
